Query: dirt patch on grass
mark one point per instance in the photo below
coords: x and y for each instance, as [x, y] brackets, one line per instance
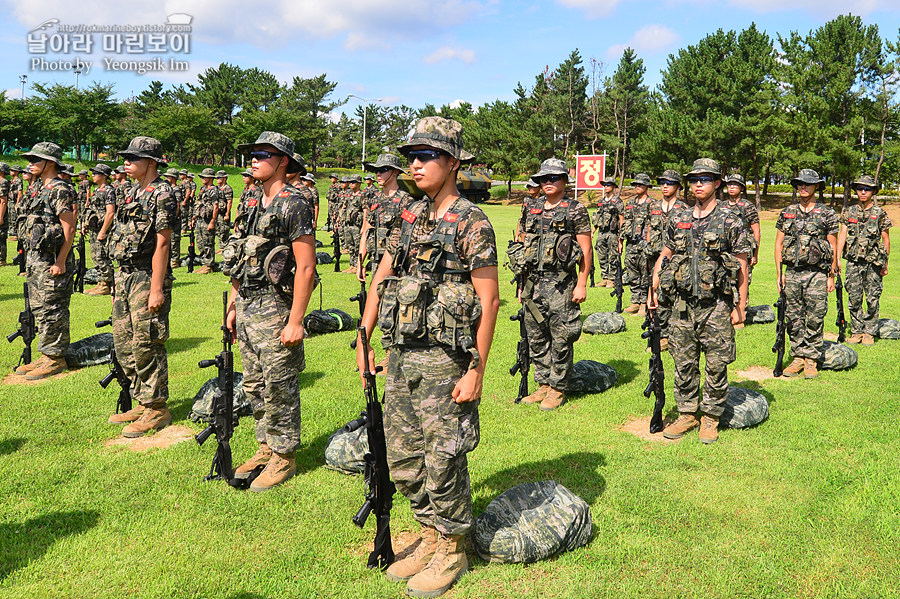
[19, 379]
[163, 439]
[756, 373]
[640, 428]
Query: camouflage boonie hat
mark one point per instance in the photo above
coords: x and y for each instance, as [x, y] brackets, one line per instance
[184, 172]
[610, 181]
[384, 160]
[221, 175]
[354, 179]
[297, 165]
[735, 178]
[45, 150]
[333, 176]
[344, 179]
[282, 143]
[102, 169]
[172, 172]
[4, 168]
[531, 183]
[247, 173]
[68, 169]
[82, 172]
[309, 177]
[369, 178]
[642, 179]
[705, 166]
[669, 175]
[120, 169]
[439, 133]
[807, 176]
[207, 173]
[144, 147]
[866, 181]
[551, 166]
[16, 169]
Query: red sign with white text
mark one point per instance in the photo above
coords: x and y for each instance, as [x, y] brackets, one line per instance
[590, 171]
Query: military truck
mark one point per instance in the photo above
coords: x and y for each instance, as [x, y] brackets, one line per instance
[473, 185]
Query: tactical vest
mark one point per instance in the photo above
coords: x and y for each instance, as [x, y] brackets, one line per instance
[606, 218]
[206, 203]
[94, 213]
[633, 226]
[132, 241]
[657, 220]
[354, 203]
[806, 238]
[432, 299]
[864, 241]
[41, 230]
[549, 246]
[384, 212]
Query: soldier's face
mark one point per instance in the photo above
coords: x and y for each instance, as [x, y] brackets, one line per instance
[641, 189]
[265, 168]
[431, 175]
[35, 168]
[533, 191]
[248, 180]
[806, 190]
[384, 176]
[206, 181]
[734, 189]
[354, 186]
[97, 178]
[864, 194]
[136, 167]
[703, 189]
[668, 188]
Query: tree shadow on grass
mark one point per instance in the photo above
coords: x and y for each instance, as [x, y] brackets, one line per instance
[177, 345]
[626, 369]
[180, 283]
[247, 596]
[312, 455]
[308, 378]
[9, 296]
[12, 445]
[22, 543]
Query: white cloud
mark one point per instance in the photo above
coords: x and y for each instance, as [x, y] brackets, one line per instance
[13, 93]
[449, 53]
[821, 8]
[457, 103]
[593, 9]
[648, 40]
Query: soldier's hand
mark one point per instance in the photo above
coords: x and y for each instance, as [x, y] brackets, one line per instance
[292, 334]
[753, 260]
[884, 270]
[360, 271]
[830, 286]
[231, 321]
[468, 388]
[212, 226]
[57, 270]
[737, 315]
[651, 300]
[579, 294]
[779, 283]
[155, 300]
[361, 358]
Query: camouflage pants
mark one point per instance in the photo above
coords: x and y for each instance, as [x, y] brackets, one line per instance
[175, 252]
[4, 235]
[206, 244]
[140, 336]
[607, 247]
[351, 232]
[271, 369]
[863, 278]
[100, 256]
[49, 298]
[550, 341]
[636, 272]
[703, 328]
[428, 435]
[806, 299]
[664, 307]
[223, 230]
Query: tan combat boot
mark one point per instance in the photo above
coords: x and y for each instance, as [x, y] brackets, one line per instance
[281, 468]
[102, 288]
[538, 396]
[151, 419]
[709, 429]
[677, 429]
[203, 270]
[632, 309]
[854, 339]
[867, 339]
[260, 458]
[445, 568]
[642, 310]
[664, 344]
[404, 569]
[26, 368]
[738, 326]
[607, 283]
[611, 284]
[553, 399]
[795, 367]
[125, 417]
[810, 372]
[50, 366]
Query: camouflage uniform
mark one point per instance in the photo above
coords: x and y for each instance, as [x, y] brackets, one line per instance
[94, 214]
[15, 194]
[332, 198]
[807, 256]
[207, 197]
[865, 254]
[5, 196]
[749, 217]
[657, 224]
[223, 222]
[383, 214]
[250, 192]
[187, 207]
[606, 244]
[178, 194]
[632, 235]
[352, 221]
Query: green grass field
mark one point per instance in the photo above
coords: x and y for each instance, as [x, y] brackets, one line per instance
[804, 505]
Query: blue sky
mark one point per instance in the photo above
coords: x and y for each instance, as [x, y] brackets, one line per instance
[408, 52]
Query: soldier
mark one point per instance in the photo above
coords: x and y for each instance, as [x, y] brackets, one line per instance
[84, 187]
[296, 178]
[806, 242]
[16, 189]
[436, 369]
[706, 247]
[660, 211]
[171, 177]
[371, 190]
[226, 198]
[48, 230]
[309, 180]
[735, 186]
[4, 210]
[251, 191]
[353, 219]
[266, 317]
[382, 213]
[633, 222]
[331, 198]
[556, 232]
[140, 242]
[608, 221]
[865, 242]
[98, 218]
[187, 203]
[533, 188]
[340, 209]
[206, 212]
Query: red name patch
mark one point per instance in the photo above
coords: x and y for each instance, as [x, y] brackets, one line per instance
[817, 210]
[151, 188]
[873, 217]
[408, 216]
[251, 202]
[397, 201]
[374, 207]
[564, 204]
[684, 225]
[790, 215]
[629, 207]
[852, 220]
[451, 217]
[656, 212]
[536, 210]
[284, 194]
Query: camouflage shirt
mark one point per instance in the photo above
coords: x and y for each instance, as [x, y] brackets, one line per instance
[142, 214]
[4, 188]
[635, 220]
[734, 233]
[864, 229]
[226, 195]
[657, 220]
[205, 201]
[95, 210]
[295, 218]
[15, 189]
[46, 202]
[606, 217]
[353, 208]
[574, 211]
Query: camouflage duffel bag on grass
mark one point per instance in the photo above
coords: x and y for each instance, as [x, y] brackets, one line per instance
[201, 411]
[763, 314]
[331, 320]
[888, 328]
[532, 522]
[838, 357]
[90, 351]
[346, 447]
[589, 376]
[744, 408]
[604, 323]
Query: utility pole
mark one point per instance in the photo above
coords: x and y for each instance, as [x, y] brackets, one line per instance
[365, 108]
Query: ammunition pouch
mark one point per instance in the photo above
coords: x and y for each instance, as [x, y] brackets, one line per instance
[233, 258]
[280, 267]
[452, 315]
[133, 237]
[413, 297]
[387, 309]
[516, 254]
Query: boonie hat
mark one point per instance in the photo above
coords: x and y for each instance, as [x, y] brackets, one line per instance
[102, 169]
[551, 166]
[642, 179]
[669, 175]
[866, 181]
[144, 147]
[439, 133]
[735, 178]
[705, 166]
[280, 142]
[807, 176]
[45, 150]
[384, 160]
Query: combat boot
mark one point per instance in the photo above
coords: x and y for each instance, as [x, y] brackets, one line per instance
[102, 288]
[553, 399]
[664, 344]
[632, 309]
[49, 367]
[260, 458]
[677, 429]
[445, 568]
[794, 368]
[867, 339]
[738, 326]
[203, 270]
[538, 396]
[125, 417]
[281, 468]
[642, 310]
[404, 569]
[709, 429]
[606, 283]
[810, 372]
[26, 368]
[151, 419]
[854, 339]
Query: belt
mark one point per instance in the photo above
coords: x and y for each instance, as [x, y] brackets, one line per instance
[251, 292]
[131, 267]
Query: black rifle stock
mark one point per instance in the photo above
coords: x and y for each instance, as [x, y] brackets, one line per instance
[523, 355]
[618, 290]
[360, 298]
[336, 242]
[222, 407]
[26, 329]
[657, 384]
[192, 250]
[123, 402]
[80, 265]
[778, 348]
[19, 260]
[379, 487]
[841, 321]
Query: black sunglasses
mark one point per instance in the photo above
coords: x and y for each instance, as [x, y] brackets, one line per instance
[668, 182]
[551, 178]
[132, 158]
[33, 159]
[383, 169]
[425, 155]
[864, 188]
[263, 154]
[705, 179]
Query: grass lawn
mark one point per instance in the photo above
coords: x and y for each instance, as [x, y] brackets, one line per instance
[804, 505]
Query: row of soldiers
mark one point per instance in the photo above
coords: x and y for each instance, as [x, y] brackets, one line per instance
[347, 205]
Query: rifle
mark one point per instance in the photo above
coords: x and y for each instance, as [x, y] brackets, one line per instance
[523, 355]
[778, 348]
[192, 252]
[592, 274]
[20, 257]
[360, 298]
[379, 487]
[223, 421]
[841, 321]
[336, 242]
[618, 289]
[652, 333]
[26, 329]
[123, 403]
[80, 267]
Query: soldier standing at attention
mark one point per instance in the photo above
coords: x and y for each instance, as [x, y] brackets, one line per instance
[608, 221]
[532, 188]
[865, 242]
[266, 317]
[309, 180]
[226, 197]
[84, 187]
[660, 212]
[251, 191]
[4, 210]
[16, 190]
[331, 198]
[556, 232]
[371, 191]
[706, 247]
[735, 187]
[340, 212]
[806, 242]
[49, 230]
[382, 213]
[443, 254]
[353, 219]
[206, 212]
[632, 231]
[187, 203]
[178, 193]
[98, 217]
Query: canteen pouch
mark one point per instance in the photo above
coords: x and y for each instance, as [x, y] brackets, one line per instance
[255, 251]
[233, 258]
[387, 309]
[412, 299]
[280, 268]
[516, 254]
[452, 314]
